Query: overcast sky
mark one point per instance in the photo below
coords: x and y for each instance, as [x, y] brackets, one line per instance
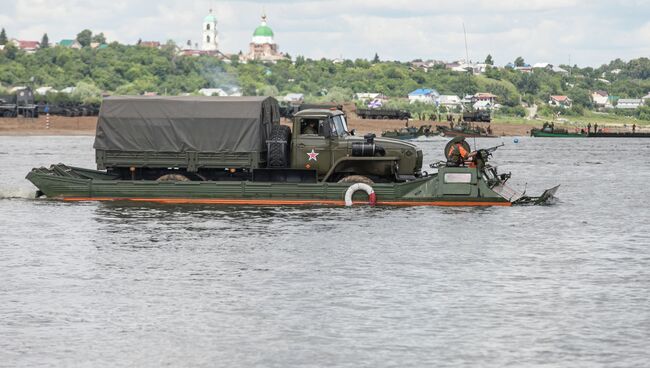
[587, 33]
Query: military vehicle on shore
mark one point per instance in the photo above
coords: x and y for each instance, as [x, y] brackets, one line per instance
[20, 103]
[233, 150]
[407, 133]
[395, 114]
[69, 109]
[475, 115]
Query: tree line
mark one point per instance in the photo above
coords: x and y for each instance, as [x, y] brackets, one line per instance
[126, 69]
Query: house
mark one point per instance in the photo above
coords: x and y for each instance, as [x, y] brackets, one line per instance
[44, 90]
[213, 92]
[294, 98]
[484, 96]
[27, 46]
[68, 90]
[548, 66]
[560, 101]
[72, 44]
[98, 46]
[369, 96]
[600, 98]
[646, 99]
[449, 101]
[526, 68]
[424, 95]
[483, 105]
[152, 44]
[629, 103]
[557, 69]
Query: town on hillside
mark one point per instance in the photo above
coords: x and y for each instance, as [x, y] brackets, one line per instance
[427, 88]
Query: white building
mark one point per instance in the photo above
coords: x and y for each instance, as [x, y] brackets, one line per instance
[210, 41]
[294, 98]
[600, 98]
[450, 101]
[424, 95]
[369, 96]
[646, 99]
[213, 92]
[629, 103]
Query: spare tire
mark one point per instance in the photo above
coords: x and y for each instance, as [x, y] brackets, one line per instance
[173, 177]
[351, 179]
[278, 143]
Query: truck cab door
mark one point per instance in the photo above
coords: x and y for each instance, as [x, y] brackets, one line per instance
[311, 148]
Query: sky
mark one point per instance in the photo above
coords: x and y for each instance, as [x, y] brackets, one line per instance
[586, 33]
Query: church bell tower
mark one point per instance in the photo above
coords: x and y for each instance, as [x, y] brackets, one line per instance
[210, 35]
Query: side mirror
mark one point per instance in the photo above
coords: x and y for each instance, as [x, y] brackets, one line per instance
[352, 131]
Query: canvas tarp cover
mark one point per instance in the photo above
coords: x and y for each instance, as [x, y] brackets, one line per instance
[183, 124]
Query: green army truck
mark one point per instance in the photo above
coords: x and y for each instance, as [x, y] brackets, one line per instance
[240, 138]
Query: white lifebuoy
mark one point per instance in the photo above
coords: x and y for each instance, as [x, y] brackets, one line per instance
[372, 198]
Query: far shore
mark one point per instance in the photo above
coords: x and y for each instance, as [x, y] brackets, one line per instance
[86, 126]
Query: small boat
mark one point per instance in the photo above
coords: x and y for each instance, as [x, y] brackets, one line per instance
[466, 130]
[410, 133]
[549, 130]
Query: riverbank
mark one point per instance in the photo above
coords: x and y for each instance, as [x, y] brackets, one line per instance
[60, 125]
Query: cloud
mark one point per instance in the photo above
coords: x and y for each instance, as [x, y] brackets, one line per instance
[539, 30]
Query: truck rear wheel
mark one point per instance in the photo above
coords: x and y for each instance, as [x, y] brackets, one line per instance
[350, 179]
[278, 154]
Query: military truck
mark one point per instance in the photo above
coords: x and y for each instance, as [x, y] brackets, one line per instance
[383, 114]
[477, 116]
[20, 103]
[240, 138]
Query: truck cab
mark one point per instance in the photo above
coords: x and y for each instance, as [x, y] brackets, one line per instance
[322, 141]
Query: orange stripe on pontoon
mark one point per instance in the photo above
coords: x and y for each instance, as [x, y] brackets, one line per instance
[276, 202]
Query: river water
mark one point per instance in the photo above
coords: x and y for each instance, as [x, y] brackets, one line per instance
[109, 284]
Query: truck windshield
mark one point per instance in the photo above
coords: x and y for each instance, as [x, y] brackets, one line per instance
[341, 125]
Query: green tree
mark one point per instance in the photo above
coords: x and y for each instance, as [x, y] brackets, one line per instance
[269, 91]
[519, 61]
[87, 92]
[375, 60]
[45, 41]
[300, 61]
[85, 37]
[488, 60]
[3, 37]
[99, 38]
[11, 51]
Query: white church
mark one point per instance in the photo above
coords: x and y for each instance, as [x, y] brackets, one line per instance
[262, 46]
[210, 40]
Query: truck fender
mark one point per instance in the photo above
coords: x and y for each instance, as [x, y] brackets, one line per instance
[372, 197]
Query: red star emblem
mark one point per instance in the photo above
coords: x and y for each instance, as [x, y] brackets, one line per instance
[313, 155]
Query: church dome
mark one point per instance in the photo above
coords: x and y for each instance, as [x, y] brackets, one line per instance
[210, 18]
[263, 33]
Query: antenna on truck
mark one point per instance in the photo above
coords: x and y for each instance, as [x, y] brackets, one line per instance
[469, 71]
